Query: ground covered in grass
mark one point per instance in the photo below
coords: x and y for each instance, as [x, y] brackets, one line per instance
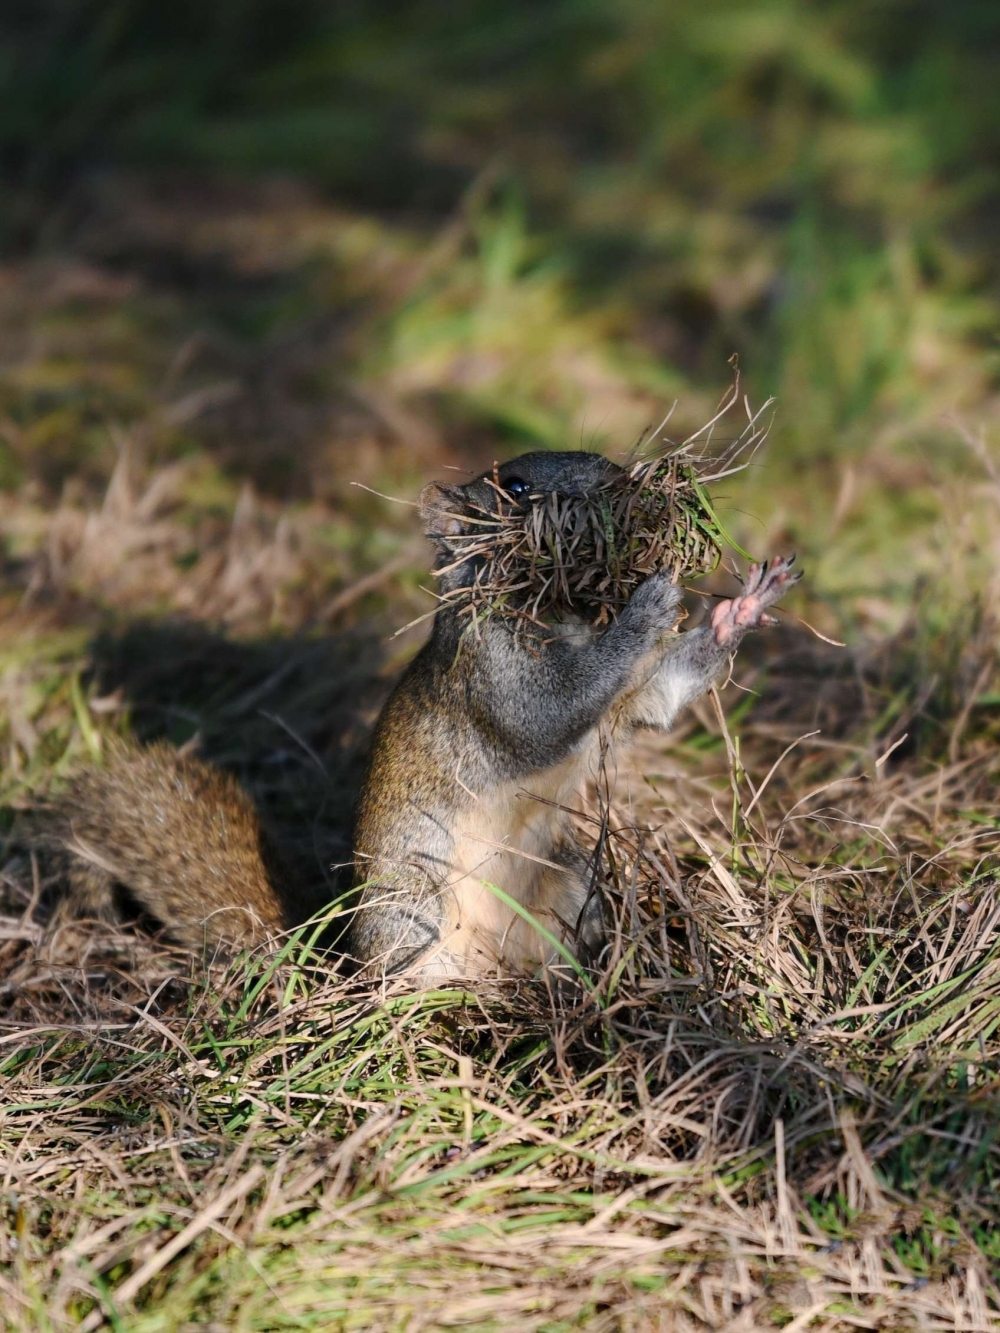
[776, 1106]
[252, 254]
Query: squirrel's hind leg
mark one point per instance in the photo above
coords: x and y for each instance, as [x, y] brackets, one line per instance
[394, 930]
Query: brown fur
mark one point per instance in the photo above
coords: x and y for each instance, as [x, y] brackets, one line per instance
[511, 834]
[182, 837]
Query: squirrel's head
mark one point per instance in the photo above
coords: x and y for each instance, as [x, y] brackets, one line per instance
[452, 511]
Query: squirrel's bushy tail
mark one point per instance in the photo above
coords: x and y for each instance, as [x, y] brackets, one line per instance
[183, 838]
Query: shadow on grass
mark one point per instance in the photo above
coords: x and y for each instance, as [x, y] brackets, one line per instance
[288, 717]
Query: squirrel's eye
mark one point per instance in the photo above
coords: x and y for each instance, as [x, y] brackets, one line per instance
[516, 486]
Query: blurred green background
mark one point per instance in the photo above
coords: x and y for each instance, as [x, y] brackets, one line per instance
[465, 229]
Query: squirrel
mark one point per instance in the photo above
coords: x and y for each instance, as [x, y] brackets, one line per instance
[466, 807]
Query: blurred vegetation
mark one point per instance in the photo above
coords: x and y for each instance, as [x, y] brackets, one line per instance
[809, 183]
[406, 234]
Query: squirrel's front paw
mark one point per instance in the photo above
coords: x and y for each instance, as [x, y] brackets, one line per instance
[765, 585]
[656, 602]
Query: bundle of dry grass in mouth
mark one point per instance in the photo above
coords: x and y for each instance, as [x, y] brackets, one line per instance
[543, 555]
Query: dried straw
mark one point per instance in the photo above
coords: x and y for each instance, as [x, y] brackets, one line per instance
[533, 558]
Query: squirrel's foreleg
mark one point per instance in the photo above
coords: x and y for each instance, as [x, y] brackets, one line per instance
[698, 658]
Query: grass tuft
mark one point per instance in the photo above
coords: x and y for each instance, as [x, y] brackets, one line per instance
[542, 555]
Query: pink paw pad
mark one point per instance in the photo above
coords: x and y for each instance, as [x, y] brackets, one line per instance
[765, 584]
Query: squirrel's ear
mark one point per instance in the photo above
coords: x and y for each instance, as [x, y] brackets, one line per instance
[441, 510]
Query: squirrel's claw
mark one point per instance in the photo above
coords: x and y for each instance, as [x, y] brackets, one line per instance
[765, 584]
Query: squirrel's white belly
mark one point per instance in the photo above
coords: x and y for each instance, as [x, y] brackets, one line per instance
[505, 848]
